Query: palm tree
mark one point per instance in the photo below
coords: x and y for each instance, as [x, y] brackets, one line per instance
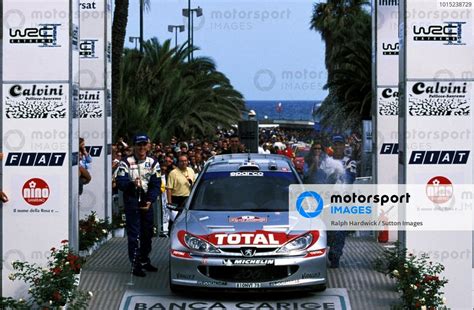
[345, 27]
[331, 19]
[119, 27]
[165, 95]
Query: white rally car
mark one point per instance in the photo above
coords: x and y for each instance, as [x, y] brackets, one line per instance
[234, 232]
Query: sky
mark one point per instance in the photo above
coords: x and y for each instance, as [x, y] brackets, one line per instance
[264, 47]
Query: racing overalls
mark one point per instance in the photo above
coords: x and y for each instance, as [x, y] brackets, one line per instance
[337, 239]
[139, 223]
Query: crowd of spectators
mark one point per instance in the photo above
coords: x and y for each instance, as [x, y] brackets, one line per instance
[271, 141]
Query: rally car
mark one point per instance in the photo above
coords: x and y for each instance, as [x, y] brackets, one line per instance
[234, 232]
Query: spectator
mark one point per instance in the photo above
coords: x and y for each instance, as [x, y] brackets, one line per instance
[165, 219]
[199, 162]
[279, 147]
[350, 166]
[225, 147]
[235, 146]
[169, 162]
[85, 158]
[116, 158]
[179, 182]
[173, 142]
[121, 145]
[84, 178]
[85, 161]
[193, 165]
[312, 170]
[288, 152]
[3, 196]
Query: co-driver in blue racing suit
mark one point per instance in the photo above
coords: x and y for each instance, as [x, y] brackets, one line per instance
[337, 239]
[138, 176]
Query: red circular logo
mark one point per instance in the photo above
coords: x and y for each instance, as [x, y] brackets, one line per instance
[35, 191]
[439, 189]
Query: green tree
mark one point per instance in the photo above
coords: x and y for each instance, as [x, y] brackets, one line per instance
[119, 27]
[332, 19]
[345, 27]
[163, 94]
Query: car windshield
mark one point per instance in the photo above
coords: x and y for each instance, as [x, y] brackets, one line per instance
[229, 191]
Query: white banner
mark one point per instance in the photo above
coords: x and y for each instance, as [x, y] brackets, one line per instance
[108, 108]
[387, 135]
[330, 299]
[36, 40]
[441, 98]
[93, 110]
[439, 143]
[439, 43]
[386, 83]
[92, 115]
[387, 42]
[92, 44]
[434, 149]
[437, 78]
[386, 88]
[39, 128]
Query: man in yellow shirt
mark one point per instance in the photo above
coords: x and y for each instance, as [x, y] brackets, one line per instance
[180, 182]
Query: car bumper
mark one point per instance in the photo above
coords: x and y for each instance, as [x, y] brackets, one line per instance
[215, 272]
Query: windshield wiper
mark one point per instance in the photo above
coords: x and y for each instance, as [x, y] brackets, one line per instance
[205, 210]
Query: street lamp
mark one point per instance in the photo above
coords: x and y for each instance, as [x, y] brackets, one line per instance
[175, 28]
[134, 39]
[141, 25]
[189, 28]
[198, 11]
[189, 13]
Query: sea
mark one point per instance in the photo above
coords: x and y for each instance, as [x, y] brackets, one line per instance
[294, 110]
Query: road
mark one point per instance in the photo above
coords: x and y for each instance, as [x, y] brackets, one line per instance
[107, 275]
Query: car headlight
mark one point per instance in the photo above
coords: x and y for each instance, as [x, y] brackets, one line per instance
[298, 244]
[198, 244]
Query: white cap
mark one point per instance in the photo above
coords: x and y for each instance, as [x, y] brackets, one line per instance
[252, 113]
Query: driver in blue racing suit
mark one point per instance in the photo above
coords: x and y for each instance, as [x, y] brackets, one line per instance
[138, 176]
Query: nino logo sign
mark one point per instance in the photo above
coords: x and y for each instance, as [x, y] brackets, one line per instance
[35, 191]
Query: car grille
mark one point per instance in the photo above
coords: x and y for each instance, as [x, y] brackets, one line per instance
[248, 273]
[239, 250]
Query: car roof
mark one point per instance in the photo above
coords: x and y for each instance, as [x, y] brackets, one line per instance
[262, 162]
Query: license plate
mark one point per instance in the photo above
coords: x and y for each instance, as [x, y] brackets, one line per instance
[248, 285]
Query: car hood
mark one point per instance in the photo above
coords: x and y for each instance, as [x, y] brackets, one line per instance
[260, 229]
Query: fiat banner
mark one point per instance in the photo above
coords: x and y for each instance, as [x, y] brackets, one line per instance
[40, 94]
[436, 94]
